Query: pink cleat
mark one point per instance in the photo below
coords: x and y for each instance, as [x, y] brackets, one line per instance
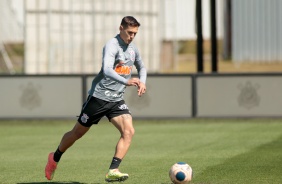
[50, 167]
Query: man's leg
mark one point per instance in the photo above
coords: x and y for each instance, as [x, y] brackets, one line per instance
[124, 124]
[67, 141]
[70, 137]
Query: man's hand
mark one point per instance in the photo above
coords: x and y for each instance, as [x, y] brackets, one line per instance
[133, 82]
[141, 89]
[136, 82]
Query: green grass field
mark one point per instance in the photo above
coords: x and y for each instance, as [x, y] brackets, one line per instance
[219, 151]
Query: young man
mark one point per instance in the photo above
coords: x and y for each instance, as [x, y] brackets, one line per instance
[106, 98]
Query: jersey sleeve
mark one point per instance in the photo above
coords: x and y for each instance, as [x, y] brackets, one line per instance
[142, 72]
[109, 52]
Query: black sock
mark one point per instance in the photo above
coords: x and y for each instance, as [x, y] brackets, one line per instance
[115, 163]
[57, 155]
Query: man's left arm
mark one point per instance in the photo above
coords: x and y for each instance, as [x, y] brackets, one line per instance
[142, 73]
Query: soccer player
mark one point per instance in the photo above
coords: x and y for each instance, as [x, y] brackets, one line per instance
[106, 98]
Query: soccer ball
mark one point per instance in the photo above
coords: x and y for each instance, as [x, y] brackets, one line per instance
[180, 173]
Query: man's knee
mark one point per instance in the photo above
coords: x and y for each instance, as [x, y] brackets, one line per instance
[128, 133]
[78, 131]
[78, 134]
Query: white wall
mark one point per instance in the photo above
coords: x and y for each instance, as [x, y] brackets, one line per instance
[11, 21]
[239, 96]
[64, 36]
[179, 19]
[256, 29]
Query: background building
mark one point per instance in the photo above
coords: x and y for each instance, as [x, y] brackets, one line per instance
[67, 36]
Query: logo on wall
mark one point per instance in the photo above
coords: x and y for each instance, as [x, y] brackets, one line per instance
[30, 98]
[248, 96]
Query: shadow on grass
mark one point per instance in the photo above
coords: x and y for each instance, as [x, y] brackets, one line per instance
[72, 182]
[260, 165]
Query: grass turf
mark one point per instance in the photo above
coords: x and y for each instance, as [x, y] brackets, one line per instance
[219, 151]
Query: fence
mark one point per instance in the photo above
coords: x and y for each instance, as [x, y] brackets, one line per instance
[167, 96]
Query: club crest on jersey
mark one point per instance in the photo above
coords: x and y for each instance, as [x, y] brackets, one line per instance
[132, 54]
[123, 107]
[84, 118]
[122, 69]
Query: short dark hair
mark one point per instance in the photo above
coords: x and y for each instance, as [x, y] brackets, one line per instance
[129, 21]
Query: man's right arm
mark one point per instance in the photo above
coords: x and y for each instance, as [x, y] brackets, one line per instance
[109, 53]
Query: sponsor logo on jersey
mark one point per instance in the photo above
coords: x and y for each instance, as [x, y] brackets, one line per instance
[84, 118]
[108, 93]
[123, 69]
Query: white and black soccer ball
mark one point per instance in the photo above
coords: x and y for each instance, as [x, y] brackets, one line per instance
[180, 173]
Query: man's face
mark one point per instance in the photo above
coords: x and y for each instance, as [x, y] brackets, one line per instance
[128, 34]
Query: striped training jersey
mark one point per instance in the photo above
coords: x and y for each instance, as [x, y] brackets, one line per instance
[117, 62]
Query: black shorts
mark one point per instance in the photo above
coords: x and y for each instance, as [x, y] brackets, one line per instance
[94, 109]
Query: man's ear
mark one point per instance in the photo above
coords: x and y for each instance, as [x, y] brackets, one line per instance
[120, 28]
